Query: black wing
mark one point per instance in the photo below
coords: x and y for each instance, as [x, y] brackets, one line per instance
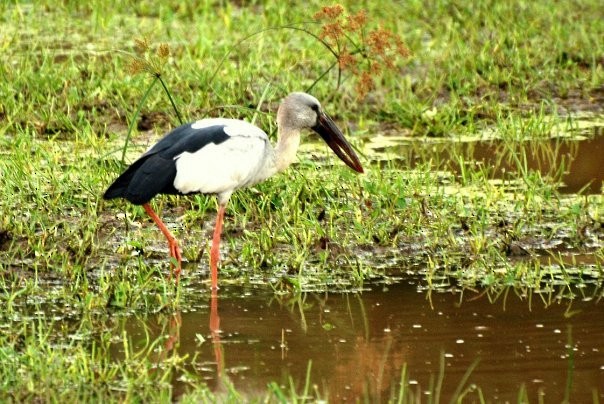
[153, 173]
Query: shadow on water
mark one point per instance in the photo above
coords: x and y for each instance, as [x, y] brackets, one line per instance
[356, 344]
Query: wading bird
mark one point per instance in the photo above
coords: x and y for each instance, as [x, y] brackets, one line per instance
[218, 156]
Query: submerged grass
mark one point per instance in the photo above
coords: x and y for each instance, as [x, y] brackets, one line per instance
[69, 103]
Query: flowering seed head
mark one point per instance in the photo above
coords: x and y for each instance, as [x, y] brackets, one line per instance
[356, 21]
[141, 45]
[136, 66]
[163, 51]
[332, 31]
[346, 60]
[329, 12]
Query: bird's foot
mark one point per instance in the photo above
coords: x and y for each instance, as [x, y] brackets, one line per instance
[175, 253]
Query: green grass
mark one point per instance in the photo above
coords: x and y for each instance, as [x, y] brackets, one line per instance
[507, 70]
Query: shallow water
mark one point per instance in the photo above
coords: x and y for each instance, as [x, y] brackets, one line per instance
[357, 343]
[577, 163]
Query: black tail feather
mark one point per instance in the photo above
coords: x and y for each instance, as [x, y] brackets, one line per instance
[145, 178]
[119, 188]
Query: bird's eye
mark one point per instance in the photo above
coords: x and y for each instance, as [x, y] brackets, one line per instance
[315, 107]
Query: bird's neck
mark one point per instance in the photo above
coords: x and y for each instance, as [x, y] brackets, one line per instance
[287, 146]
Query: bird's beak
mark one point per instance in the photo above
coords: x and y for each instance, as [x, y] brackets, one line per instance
[334, 138]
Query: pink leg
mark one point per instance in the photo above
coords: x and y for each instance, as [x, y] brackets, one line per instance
[172, 243]
[215, 251]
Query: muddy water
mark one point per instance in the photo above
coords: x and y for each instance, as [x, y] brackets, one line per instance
[357, 343]
[577, 163]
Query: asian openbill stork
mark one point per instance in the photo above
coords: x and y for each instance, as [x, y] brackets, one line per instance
[219, 156]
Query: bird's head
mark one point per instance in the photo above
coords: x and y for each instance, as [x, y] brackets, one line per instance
[300, 111]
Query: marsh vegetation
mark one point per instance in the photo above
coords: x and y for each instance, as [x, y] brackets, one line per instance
[481, 135]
